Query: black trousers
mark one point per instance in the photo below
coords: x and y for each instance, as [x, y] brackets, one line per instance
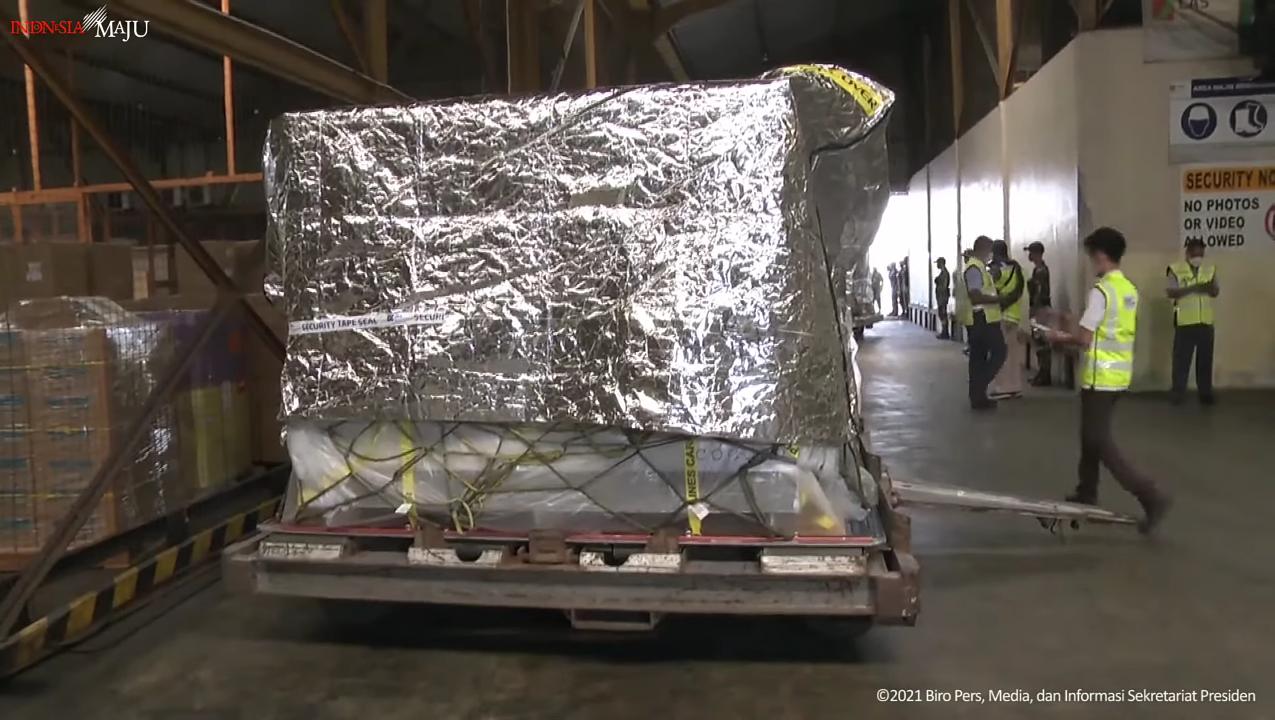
[1044, 362]
[987, 354]
[1098, 447]
[1194, 340]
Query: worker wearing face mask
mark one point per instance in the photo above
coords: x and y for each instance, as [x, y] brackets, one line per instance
[1192, 285]
[1104, 338]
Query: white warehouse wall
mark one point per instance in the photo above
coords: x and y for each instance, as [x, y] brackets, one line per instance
[982, 178]
[1041, 138]
[1127, 182]
[945, 210]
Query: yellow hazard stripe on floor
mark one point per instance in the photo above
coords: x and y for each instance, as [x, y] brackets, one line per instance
[85, 614]
[690, 466]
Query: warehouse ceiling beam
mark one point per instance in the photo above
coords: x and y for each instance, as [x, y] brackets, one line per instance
[1088, 13]
[568, 41]
[984, 37]
[646, 25]
[590, 44]
[1009, 32]
[348, 30]
[376, 39]
[203, 26]
[73, 193]
[522, 37]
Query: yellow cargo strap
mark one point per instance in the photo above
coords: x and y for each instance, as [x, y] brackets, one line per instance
[405, 446]
[690, 462]
[863, 93]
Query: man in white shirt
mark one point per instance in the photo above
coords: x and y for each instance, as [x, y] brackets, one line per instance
[1106, 340]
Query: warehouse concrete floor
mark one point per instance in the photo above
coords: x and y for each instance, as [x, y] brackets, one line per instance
[1006, 606]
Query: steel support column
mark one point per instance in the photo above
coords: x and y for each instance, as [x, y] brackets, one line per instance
[958, 68]
[33, 120]
[228, 100]
[205, 27]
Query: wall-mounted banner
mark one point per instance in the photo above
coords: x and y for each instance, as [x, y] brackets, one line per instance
[1194, 29]
[1230, 207]
[1220, 118]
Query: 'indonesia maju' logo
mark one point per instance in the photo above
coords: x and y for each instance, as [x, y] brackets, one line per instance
[97, 22]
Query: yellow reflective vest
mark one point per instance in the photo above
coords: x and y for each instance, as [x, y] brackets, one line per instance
[964, 307]
[1010, 280]
[1107, 363]
[1196, 308]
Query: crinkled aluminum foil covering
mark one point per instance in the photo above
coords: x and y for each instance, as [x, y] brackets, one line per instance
[646, 258]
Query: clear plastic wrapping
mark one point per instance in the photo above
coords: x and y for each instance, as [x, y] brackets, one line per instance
[74, 374]
[577, 478]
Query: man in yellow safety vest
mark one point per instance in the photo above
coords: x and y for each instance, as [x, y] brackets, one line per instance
[1015, 327]
[979, 310]
[1105, 337]
[1192, 287]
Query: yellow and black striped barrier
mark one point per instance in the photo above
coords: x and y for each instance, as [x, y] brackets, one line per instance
[84, 615]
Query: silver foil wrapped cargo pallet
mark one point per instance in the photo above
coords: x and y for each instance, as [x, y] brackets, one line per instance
[562, 284]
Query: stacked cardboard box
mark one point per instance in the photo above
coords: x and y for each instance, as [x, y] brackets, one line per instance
[17, 513]
[74, 372]
[242, 260]
[58, 269]
[41, 270]
[57, 385]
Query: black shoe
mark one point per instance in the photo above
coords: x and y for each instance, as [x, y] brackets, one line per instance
[1155, 509]
[1208, 400]
[943, 336]
[983, 406]
[1040, 382]
[1076, 497]
[1176, 400]
[1005, 396]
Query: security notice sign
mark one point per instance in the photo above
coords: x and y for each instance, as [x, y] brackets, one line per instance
[1230, 206]
[1220, 118]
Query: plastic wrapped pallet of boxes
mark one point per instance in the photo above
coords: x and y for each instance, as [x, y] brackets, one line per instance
[622, 310]
[74, 373]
